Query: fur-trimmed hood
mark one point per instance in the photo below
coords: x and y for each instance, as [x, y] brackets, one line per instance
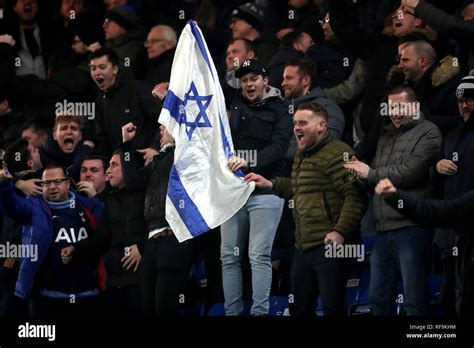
[446, 69]
[426, 31]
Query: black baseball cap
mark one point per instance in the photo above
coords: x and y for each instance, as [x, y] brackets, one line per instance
[250, 66]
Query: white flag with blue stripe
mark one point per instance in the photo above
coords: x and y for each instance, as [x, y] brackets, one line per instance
[202, 191]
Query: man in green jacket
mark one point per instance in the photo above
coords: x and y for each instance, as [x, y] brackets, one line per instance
[328, 207]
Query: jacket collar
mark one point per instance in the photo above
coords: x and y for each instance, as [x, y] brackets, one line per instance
[390, 128]
[318, 146]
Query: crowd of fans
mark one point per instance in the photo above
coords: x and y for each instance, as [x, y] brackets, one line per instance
[337, 95]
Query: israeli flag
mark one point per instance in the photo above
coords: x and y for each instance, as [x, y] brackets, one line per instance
[202, 192]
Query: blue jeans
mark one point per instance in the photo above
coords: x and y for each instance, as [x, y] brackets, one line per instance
[257, 222]
[403, 249]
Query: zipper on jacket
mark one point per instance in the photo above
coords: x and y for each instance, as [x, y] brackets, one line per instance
[327, 211]
[382, 219]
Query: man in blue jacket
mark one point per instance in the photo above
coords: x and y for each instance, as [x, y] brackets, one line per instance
[60, 225]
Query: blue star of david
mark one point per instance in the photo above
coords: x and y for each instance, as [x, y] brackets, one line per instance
[202, 119]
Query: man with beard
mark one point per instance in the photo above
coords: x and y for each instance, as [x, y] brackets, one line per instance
[434, 83]
[64, 146]
[328, 209]
[299, 87]
[452, 176]
[379, 51]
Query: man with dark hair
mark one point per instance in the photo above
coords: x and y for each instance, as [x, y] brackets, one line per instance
[405, 153]
[10, 121]
[460, 28]
[247, 22]
[21, 156]
[93, 178]
[238, 50]
[125, 221]
[122, 100]
[35, 132]
[125, 36]
[293, 46]
[24, 163]
[166, 261]
[328, 209]
[61, 275]
[299, 87]
[434, 83]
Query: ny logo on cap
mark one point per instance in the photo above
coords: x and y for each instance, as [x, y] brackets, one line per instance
[459, 93]
[246, 63]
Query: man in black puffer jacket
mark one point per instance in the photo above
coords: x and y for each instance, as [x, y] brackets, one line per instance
[126, 224]
[166, 262]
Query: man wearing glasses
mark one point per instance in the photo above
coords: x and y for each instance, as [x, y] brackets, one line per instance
[62, 279]
[160, 47]
[453, 177]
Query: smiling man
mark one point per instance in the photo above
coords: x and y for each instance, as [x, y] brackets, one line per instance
[328, 209]
[261, 130]
[65, 145]
[405, 152]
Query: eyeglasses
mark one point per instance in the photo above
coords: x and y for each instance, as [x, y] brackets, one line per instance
[467, 101]
[152, 41]
[322, 21]
[56, 182]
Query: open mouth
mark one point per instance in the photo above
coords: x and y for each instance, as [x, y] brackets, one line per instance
[27, 9]
[398, 24]
[251, 92]
[100, 81]
[299, 137]
[69, 143]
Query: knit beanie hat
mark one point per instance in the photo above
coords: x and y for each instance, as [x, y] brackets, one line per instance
[250, 13]
[123, 15]
[465, 89]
